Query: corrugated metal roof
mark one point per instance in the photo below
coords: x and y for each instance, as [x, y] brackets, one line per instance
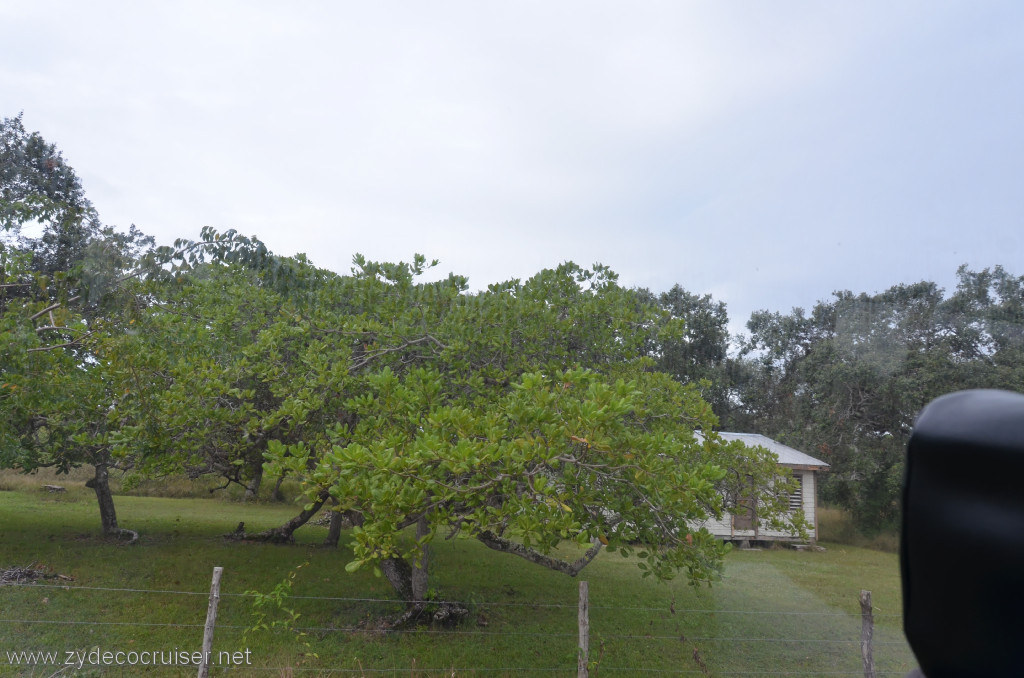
[786, 454]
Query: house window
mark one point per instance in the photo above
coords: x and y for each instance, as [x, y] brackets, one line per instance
[796, 500]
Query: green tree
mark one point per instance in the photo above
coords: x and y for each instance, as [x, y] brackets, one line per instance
[66, 302]
[38, 186]
[67, 368]
[229, 360]
[697, 349]
[522, 416]
[847, 380]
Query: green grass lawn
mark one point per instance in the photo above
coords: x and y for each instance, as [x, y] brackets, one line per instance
[775, 610]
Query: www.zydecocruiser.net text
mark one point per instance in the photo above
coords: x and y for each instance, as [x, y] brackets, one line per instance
[99, 657]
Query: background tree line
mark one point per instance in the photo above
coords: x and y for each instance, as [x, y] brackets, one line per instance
[845, 381]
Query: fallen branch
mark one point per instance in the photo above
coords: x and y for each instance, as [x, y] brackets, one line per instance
[286, 533]
[17, 575]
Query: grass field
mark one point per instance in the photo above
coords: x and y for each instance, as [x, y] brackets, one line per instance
[776, 612]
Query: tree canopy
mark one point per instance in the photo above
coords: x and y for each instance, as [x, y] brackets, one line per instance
[522, 416]
[847, 380]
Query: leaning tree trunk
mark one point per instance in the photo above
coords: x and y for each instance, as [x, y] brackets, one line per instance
[276, 495]
[399, 573]
[286, 532]
[100, 484]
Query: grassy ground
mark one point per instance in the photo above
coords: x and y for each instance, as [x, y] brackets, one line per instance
[775, 611]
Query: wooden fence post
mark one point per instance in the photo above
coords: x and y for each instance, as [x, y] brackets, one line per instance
[583, 657]
[867, 630]
[211, 620]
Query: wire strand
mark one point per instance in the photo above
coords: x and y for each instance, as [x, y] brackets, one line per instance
[427, 631]
[394, 601]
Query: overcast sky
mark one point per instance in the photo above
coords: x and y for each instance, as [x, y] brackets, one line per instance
[766, 153]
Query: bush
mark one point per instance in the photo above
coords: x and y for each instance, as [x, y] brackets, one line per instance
[837, 525]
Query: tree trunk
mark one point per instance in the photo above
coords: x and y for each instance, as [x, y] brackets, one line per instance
[338, 521]
[399, 573]
[276, 494]
[419, 568]
[285, 533]
[100, 484]
[410, 582]
[252, 490]
[334, 531]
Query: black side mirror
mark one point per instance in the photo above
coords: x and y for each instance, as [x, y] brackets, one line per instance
[962, 544]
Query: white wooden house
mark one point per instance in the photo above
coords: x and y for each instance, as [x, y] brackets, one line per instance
[805, 468]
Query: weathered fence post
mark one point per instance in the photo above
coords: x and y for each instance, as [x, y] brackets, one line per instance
[211, 620]
[867, 630]
[583, 657]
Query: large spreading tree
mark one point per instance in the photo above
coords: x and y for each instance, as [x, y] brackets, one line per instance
[522, 416]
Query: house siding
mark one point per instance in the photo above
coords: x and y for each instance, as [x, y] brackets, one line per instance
[724, 528]
[800, 464]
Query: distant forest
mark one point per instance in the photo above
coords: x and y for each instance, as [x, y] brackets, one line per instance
[844, 381]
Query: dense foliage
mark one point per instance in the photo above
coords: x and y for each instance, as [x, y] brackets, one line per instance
[522, 416]
[846, 381]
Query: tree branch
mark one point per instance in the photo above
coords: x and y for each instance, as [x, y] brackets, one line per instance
[284, 534]
[60, 328]
[370, 356]
[76, 342]
[493, 541]
[53, 306]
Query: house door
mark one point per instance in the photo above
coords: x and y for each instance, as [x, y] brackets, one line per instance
[744, 515]
[744, 518]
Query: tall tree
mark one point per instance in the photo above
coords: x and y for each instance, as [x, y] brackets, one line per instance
[848, 379]
[67, 366]
[692, 343]
[522, 416]
[38, 186]
[65, 305]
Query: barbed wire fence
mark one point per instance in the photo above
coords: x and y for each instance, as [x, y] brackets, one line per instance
[704, 647]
